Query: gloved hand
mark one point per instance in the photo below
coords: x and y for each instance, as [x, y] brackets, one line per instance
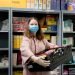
[40, 60]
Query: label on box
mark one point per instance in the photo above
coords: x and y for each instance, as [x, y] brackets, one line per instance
[18, 3]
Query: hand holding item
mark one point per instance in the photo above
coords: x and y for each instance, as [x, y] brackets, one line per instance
[40, 60]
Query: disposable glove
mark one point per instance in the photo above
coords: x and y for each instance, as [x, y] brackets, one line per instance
[40, 60]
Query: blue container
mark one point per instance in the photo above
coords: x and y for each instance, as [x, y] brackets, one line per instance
[54, 28]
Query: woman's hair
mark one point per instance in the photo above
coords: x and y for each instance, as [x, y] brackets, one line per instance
[39, 34]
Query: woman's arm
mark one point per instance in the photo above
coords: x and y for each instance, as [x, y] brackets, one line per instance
[50, 45]
[26, 52]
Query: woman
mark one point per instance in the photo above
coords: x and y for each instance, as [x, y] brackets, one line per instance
[34, 42]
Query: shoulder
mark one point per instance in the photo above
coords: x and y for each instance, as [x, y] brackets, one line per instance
[26, 38]
[25, 41]
[45, 40]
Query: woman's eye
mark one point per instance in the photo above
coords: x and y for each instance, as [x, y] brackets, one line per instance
[34, 24]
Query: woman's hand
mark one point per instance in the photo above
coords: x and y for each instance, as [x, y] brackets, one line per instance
[40, 60]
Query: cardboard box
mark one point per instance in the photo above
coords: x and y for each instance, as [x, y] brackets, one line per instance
[44, 4]
[36, 4]
[28, 3]
[49, 4]
[32, 3]
[19, 3]
[40, 4]
[13, 3]
[5, 3]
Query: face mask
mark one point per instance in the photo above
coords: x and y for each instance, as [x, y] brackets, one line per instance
[33, 28]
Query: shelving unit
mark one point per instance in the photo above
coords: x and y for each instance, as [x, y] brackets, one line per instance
[38, 14]
[67, 16]
[5, 41]
[6, 38]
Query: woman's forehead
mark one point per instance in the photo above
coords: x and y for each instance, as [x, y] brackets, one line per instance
[33, 21]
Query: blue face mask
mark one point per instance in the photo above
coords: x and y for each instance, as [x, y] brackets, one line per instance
[33, 28]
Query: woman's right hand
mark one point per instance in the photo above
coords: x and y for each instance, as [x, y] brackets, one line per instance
[40, 60]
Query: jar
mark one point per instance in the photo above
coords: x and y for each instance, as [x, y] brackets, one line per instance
[71, 6]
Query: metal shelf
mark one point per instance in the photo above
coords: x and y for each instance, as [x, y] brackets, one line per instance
[68, 12]
[16, 49]
[18, 66]
[4, 49]
[18, 31]
[43, 32]
[3, 67]
[4, 8]
[69, 64]
[69, 32]
[50, 32]
[4, 31]
[73, 47]
[35, 10]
